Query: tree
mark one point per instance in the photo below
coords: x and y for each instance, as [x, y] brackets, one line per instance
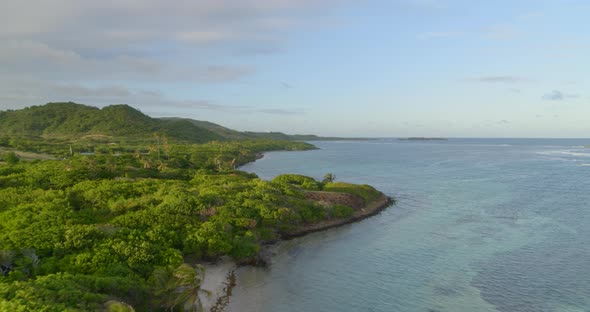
[329, 177]
[180, 287]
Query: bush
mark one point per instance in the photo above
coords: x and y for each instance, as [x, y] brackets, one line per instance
[341, 211]
[311, 213]
[302, 181]
[328, 178]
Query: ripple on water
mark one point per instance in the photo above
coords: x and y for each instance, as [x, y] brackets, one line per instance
[536, 278]
[477, 227]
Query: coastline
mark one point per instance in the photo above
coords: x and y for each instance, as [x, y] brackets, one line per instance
[225, 279]
[367, 210]
[218, 280]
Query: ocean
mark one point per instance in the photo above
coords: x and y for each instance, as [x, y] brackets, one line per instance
[479, 225]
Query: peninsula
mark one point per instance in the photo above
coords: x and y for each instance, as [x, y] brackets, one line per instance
[114, 210]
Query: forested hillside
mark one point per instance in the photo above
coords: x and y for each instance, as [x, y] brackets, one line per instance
[80, 123]
[249, 135]
[76, 121]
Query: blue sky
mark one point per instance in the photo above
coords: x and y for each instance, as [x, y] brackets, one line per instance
[347, 68]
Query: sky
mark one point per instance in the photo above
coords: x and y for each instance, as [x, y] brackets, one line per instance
[391, 68]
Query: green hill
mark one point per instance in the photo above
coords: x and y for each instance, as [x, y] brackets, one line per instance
[231, 134]
[226, 133]
[76, 121]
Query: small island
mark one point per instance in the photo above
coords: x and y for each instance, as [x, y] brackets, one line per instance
[422, 139]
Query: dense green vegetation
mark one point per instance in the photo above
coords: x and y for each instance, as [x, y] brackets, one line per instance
[116, 124]
[71, 120]
[113, 230]
[250, 135]
[122, 207]
[301, 181]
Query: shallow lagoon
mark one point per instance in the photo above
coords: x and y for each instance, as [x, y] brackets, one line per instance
[480, 225]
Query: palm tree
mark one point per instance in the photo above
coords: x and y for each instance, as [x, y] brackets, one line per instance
[329, 177]
[190, 280]
[180, 287]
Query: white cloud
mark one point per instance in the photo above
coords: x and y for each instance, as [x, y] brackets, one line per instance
[21, 92]
[43, 61]
[68, 45]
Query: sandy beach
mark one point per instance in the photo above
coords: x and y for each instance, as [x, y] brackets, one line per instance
[217, 281]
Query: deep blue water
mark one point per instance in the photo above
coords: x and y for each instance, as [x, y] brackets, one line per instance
[480, 225]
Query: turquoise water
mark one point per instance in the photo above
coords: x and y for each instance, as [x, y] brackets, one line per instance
[480, 225]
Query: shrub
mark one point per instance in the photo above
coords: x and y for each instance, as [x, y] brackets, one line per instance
[341, 211]
[302, 181]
